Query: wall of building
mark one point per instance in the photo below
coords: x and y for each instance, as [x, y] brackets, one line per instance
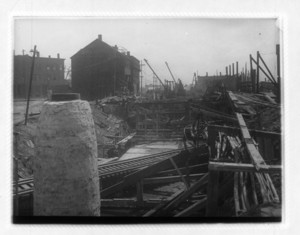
[204, 82]
[99, 70]
[48, 75]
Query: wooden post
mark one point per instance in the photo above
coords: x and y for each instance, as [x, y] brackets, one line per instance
[253, 80]
[139, 193]
[257, 72]
[251, 72]
[212, 194]
[30, 83]
[255, 201]
[179, 173]
[246, 72]
[278, 70]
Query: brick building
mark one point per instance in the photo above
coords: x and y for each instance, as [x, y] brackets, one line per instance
[48, 75]
[100, 70]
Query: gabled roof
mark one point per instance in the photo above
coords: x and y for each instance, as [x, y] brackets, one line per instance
[93, 43]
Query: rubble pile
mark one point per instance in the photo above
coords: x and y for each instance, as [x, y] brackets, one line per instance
[24, 143]
[109, 130]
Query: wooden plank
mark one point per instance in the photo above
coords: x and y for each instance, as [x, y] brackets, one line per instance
[198, 167]
[162, 205]
[126, 138]
[226, 166]
[194, 188]
[212, 194]
[179, 173]
[236, 194]
[244, 189]
[193, 208]
[136, 176]
[254, 195]
[127, 203]
[257, 159]
[169, 179]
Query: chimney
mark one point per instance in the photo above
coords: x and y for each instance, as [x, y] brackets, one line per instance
[57, 55]
[128, 53]
[37, 54]
[100, 37]
[49, 56]
[116, 47]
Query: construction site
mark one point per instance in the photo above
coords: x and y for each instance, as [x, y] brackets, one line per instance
[115, 150]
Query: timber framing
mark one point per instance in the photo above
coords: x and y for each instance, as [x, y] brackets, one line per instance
[237, 167]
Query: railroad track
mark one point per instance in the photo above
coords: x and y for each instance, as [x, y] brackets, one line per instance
[110, 169]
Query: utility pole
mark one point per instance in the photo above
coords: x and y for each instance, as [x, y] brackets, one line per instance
[30, 82]
[115, 67]
[141, 68]
[251, 73]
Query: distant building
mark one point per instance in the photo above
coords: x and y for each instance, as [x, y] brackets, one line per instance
[48, 75]
[202, 83]
[100, 70]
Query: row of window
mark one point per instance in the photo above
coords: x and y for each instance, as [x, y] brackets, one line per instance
[54, 67]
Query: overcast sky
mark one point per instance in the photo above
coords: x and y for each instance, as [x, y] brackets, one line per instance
[188, 45]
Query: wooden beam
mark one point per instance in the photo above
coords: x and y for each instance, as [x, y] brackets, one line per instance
[162, 205]
[127, 203]
[193, 208]
[198, 167]
[194, 188]
[236, 195]
[179, 173]
[254, 195]
[243, 167]
[257, 159]
[127, 138]
[136, 176]
[169, 179]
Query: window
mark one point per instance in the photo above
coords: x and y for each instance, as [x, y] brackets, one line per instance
[60, 67]
[48, 67]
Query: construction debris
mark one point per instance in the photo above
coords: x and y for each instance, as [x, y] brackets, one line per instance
[216, 156]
